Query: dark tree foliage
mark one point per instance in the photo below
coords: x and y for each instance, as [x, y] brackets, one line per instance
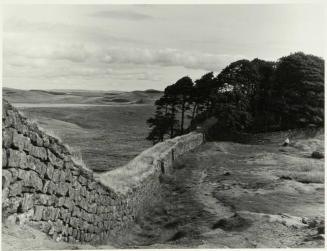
[246, 96]
[300, 90]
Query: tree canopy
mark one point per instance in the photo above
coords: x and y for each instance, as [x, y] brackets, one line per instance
[246, 96]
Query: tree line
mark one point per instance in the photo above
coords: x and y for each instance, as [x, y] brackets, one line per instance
[246, 96]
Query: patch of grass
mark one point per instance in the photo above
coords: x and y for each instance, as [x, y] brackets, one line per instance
[312, 176]
[107, 137]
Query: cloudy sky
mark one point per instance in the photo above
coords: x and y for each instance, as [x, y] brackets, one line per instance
[129, 47]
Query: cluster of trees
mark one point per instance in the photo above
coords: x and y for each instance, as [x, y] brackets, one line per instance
[246, 96]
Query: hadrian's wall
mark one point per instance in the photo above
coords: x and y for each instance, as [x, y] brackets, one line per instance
[43, 186]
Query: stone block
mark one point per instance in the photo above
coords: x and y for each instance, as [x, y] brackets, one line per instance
[47, 213]
[61, 201]
[46, 226]
[18, 141]
[54, 160]
[62, 176]
[46, 141]
[16, 159]
[68, 175]
[69, 165]
[7, 137]
[4, 158]
[39, 152]
[76, 212]
[36, 139]
[62, 189]
[38, 212]
[74, 233]
[16, 189]
[28, 202]
[56, 175]
[55, 213]
[7, 178]
[49, 171]
[68, 203]
[82, 180]
[31, 179]
[36, 165]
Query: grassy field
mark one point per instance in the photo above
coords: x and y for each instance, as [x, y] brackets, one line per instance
[106, 136]
[80, 96]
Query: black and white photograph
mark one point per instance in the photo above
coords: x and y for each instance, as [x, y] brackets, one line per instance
[162, 125]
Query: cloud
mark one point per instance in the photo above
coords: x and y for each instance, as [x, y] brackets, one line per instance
[87, 53]
[73, 52]
[168, 57]
[124, 15]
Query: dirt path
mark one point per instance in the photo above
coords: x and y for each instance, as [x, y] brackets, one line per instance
[236, 196]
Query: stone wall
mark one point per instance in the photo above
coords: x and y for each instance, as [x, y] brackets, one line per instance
[44, 186]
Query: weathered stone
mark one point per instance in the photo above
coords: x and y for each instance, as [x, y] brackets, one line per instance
[55, 212]
[43, 199]
[54, 147]
[32, 179]
[5, 193]
[56, 175]
[39, 152]
[46, 186]
[76, 211]
[46, 214]
[82, 180]
[7, 137]
[46, 141]
[49, 171]
[46, 226]
[22, 128]
[68, 203]
[10, 206]
[22, 174]
[7, 178]
[68, 175]
[74, 232]
[55, 160]
[62, 189]
[73, 221]
[38, 212]
[15, 189]
[62, 177]
[61, 201]
[28, 202]
[14, 173]
[69, 165]
[16, 159]
[35, 138]
[36, 165]
[18, 141]
[4, 158]
[58, 226]
[83, 191]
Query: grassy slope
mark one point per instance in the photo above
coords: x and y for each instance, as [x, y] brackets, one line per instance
[220, 179]
[79, 96]
[107, 137]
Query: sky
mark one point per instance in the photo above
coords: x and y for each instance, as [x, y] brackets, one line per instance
[138, 47]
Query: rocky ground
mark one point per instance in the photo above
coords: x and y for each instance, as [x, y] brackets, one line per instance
[226, 195]
[239, 196]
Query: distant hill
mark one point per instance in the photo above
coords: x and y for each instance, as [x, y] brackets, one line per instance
[80, 96]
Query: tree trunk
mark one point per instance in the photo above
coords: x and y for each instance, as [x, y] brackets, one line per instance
[193, 112]
[182, 120]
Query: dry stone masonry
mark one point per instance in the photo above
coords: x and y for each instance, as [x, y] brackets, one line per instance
[43, 185]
